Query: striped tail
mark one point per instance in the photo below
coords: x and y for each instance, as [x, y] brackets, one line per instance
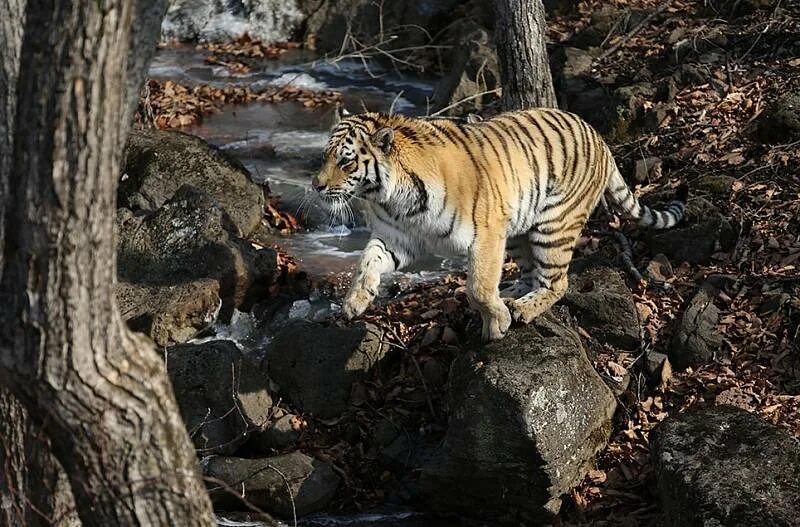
[620, 197]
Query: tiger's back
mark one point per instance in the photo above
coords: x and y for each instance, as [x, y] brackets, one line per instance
[525, 182]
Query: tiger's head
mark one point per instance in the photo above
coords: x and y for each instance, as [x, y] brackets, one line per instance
[357, 160]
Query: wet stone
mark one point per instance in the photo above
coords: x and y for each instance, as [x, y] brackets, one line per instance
[604, 307]
[697, 339]
[281, 485]
[315, 366]
[221, 395]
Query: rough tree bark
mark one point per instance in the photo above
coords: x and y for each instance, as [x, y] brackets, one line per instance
[69, 368]
[524, 66]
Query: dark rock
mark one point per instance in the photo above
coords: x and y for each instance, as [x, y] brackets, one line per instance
[579, 92]
[188, 238]
[697, 339]
[410, 22]
[315, 366]
[604, 307]
[654, 364]
[474, 69]
[718, 185]
[658, 114]
[659, 269]
[780, 123]
[219, 21]
[385, 432]
[158, 163]
[647, 169]
[527, 415]
[604, 22]
[278, 435]
[282, 485]
[222, 396]
[707, 232]
[169, 314]
[628, 109]
[725, 467]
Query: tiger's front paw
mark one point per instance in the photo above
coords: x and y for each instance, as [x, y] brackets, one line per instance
[356, 302]
[496, 324]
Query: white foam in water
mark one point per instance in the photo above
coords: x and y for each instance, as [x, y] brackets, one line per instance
[336, 230]
[298, 80]
[299, 142]
[300, 309]
[242, 331]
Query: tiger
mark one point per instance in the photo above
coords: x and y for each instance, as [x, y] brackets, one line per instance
[521, 183]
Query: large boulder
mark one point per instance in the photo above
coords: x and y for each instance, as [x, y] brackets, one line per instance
[288, 485]
[169, 314]
[603, 305]
[527, 416]
[697, 339]
[722, 466]
[315, 366]
[223, 21]
[221, 395]
[780, 123]
[410, 23]
[158, 163]
[188, 238]
[705, 233]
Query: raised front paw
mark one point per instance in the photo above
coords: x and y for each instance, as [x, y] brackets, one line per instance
[496, 324]
[356, 302]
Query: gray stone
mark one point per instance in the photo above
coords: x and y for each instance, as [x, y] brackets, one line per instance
[697, 339]
[654, 364]
[169, 314]
[473, 70]
[223, 21]
[724, 467]
[603, 305]
[647, 169]
[527, 415]
[411, 23]
[278, 435]
[707, 232]
[189, 238]
[315, 366]
[283, 485]
[158, 163]
[780, 123]
[221, 395]
[716, 184]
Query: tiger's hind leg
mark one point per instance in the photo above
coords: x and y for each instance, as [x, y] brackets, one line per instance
[519, 249]
[551, 253]
[485, 266]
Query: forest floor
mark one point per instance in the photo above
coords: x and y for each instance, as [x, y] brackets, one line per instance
[708, 138]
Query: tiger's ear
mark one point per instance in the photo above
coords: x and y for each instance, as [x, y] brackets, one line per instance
[383, 139]
[339, 114]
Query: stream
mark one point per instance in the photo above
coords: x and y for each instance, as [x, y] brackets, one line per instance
[281, 145]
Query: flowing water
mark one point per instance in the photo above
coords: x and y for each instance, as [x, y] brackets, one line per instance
[281, 144]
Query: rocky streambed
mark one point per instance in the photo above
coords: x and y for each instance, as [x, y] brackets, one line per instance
[402, 418]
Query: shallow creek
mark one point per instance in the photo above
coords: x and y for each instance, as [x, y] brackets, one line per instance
[281, 144]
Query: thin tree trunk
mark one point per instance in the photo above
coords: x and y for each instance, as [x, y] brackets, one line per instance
[99, 393]
[524, 67]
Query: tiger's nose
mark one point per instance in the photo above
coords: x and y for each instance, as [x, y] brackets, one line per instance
[319, 187]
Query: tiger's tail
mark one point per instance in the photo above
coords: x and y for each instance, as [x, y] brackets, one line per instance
[620, 197]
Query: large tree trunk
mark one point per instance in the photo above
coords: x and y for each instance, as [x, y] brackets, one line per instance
[524, 67]
[99, 393]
